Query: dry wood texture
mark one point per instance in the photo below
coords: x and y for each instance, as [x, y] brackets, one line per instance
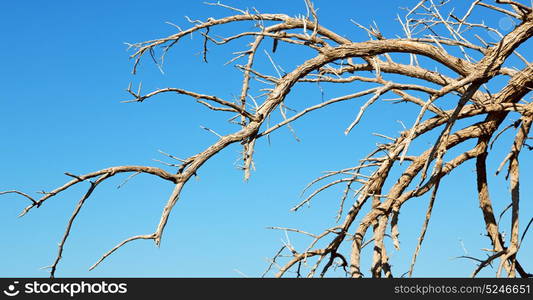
[426, 31]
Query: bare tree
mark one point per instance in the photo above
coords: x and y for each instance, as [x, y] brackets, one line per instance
[441, 37]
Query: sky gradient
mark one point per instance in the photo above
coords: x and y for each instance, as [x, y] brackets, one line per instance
[64, 71]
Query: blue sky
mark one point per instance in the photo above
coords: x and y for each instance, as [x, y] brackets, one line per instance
[64, 71]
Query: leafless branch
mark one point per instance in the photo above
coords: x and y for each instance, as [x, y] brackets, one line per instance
[432, 39]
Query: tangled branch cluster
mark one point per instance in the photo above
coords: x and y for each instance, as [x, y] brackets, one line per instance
[428, 33]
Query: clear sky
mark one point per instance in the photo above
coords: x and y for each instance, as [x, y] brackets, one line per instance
[64, 70]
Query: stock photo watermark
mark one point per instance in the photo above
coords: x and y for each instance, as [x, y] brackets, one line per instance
[64, 288]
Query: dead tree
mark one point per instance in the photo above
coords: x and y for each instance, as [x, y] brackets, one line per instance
[428, 32]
